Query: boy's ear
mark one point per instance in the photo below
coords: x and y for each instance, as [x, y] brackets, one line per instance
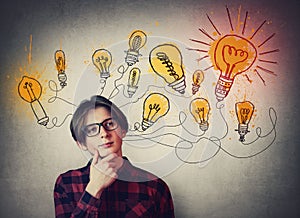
[123, 133]
[81, 146]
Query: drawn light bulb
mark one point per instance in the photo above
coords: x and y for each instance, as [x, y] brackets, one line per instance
[244, 111]
[200, 109]
[102, 60]
[136, 41]
[156, 105]
[233, 55]
[60, 61]
[133, 79]
[30, 90]
[166, 61]
[198, 78]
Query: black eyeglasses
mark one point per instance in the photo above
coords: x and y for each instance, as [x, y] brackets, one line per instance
[94, 128]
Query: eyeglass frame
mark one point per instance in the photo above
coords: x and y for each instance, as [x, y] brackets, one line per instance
[99, 125]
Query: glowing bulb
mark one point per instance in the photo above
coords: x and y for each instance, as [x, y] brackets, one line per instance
[166, 61]
[244, 111]
[198, 78]
[136, 41]
[200, 109]
[60, 61]
[30, 90]
[102, 60]
[232, 55]
[133, 79]
[156, 105]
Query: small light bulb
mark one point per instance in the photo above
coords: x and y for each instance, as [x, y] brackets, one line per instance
[102, 60]
[156, 105]
[60, 61]
[244, 111]
[198, 78]
[136, 41]
[200, 109]
[133, 79]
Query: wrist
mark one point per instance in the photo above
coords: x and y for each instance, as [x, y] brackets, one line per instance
[93, 190]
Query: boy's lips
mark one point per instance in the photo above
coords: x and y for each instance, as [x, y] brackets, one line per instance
[106, 145]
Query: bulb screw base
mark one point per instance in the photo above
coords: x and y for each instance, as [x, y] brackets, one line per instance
[223, 88]
[195, 89]
[203, 126]
[104, 74]
[131, 90]
[62, 78]
[131, 57]
[146, 124]
[242, 130]
[179, 85]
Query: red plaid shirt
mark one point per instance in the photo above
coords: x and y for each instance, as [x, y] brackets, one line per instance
[136, 193]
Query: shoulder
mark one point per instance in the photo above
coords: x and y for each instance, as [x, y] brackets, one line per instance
[74, 175]
[140, 175]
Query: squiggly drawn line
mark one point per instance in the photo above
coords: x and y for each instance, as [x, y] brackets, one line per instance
[121, 70]
[181, 122]
[158, 142]
[200, 161]
[56, 90]
[142, 96]
[220, 106]
[258, 132]
[55, 121]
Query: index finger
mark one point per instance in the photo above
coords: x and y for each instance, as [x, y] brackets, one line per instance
[95, 157]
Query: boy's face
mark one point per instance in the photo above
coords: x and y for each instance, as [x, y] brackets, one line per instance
[105, 142]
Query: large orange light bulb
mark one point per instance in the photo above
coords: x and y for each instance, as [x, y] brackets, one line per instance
[30, 91]
[232, 55]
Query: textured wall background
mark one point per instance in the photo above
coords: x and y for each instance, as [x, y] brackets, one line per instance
[32, 157]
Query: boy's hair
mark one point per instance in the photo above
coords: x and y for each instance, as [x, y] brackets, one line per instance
[79, 117]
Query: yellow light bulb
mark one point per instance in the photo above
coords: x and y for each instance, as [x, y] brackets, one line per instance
[198, 78]
[137, 40]
[200, 109]
[133, 79]
[60, 61]
[156, 105]
[30, 91]
[102, 60]
[233, 55]
[166, 61]
[244, 111]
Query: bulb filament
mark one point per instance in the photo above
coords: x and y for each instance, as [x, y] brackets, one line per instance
[200, 112]
[154, 107]
[136, 42]
[165, 60]
[102, 62]
[28, 87]
[244, 115]
[232, 56]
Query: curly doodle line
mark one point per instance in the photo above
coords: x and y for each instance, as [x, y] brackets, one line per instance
[121, 70]
[219, 107]
[56, 90]
[200, 161]
[55, 121]
[273, 122]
